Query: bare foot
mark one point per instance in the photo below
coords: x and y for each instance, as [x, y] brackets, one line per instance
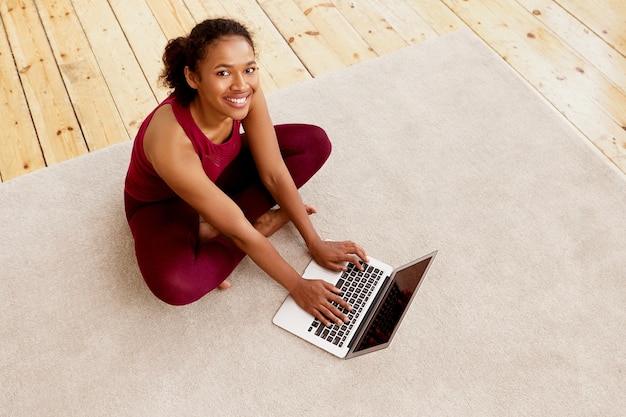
[267, 224]
[274, 219]
[207, 232]
[224, 285]
[310, 209]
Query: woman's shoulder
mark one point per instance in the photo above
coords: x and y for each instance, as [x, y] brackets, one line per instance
[167, 113]
[164, 130]
[163, 122]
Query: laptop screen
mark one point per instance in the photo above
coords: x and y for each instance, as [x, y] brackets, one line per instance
[396, 300]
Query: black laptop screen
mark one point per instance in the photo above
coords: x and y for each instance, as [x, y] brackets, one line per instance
[391, 309]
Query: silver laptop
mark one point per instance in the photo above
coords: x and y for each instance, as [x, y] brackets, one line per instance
[379, 296]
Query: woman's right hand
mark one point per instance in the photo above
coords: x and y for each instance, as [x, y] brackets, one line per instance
[316, 297]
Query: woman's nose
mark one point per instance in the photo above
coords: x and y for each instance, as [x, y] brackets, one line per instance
[239, 82]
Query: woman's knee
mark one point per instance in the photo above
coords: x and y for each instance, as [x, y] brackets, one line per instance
[303, 138]
[176, 288]
[318, 145]
[305, 149]
[320, 141]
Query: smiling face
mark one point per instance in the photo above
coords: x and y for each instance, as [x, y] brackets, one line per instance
[226, 80]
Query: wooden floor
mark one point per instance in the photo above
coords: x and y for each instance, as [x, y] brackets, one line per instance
[80, 75]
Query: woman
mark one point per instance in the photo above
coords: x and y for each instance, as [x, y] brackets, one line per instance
[199, 195]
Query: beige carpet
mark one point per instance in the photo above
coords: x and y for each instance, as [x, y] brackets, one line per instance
[438, 146]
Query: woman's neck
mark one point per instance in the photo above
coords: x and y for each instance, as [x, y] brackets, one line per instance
[216, 129]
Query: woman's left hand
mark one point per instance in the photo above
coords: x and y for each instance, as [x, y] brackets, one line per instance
[333, 255]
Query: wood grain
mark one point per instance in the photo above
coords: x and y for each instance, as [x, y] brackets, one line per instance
[81, 75]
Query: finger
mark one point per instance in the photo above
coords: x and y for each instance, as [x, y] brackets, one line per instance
[339, 301]
[340, 260]
[321, 317]
[355, 260]
[352, 253]
[339, 307]
[341, 318]
[352, 247]
[335, 266]
[343, 303]
[330, 287]
[331, 314]
[330, 307]
[350, 257]
[360, 252]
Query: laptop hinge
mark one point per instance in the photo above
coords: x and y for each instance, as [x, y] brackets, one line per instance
[372, 310]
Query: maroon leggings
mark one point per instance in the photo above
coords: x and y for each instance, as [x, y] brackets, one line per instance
[179, 270]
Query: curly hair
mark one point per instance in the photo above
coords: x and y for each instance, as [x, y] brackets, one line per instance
[190, 50]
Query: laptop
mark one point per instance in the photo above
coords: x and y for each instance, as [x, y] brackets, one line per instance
[379, 295]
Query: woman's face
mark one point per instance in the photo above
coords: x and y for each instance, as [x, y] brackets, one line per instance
[226, 78]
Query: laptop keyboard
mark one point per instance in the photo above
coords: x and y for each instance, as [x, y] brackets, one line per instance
[356, 288]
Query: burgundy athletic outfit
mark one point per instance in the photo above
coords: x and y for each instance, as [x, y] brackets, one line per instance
[175, 267]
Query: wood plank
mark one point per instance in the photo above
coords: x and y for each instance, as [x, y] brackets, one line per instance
[305, 40]
[371, 25]
[175, 20]
[437, 15]
[173, 17]
[550, 66]
[603, 95]
[201, 10]
[571, 51]
[620, 161]
[132, 93]
[147, 40]
[607, 18]
[19, 148]
[95, 109]
[340, 34]
[586, 42]
[404, 19]
[52, 113]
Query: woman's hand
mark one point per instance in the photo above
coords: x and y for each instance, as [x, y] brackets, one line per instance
[316, 297]
[334, 255]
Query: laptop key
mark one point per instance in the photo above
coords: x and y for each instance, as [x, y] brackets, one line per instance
[356, 287]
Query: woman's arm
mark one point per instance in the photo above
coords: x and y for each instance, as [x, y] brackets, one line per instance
[173, 157]
[277, 179]
[175, 160]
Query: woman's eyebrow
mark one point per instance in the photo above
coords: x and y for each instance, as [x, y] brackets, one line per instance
[232, 65]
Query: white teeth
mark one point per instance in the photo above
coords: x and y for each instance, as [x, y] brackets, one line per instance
[237, 100]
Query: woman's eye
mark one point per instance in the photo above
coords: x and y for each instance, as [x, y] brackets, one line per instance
[250, 70]
[223, 73]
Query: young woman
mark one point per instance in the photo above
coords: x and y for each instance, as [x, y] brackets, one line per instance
[199, 195]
